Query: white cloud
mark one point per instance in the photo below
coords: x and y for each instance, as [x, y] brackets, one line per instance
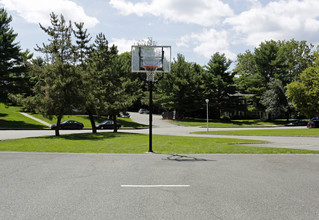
[208, 42]
[254, 3]
[38, 11]
[123, 45]
[278, 20]
[201, 12]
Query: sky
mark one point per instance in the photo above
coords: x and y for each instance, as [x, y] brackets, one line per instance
[194, 28]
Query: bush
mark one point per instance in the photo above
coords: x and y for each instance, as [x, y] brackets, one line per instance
[225, 118]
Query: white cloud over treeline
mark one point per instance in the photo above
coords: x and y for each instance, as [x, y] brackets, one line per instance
[222, 27]
[38, 11]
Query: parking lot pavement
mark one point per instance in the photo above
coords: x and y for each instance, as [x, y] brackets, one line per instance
[154, 186]
[158, 122]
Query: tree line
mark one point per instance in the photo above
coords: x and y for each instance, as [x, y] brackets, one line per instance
[78, 72]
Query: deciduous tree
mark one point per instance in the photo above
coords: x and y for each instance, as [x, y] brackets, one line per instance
[304, 92]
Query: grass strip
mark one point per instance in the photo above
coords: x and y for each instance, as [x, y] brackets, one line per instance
[126, 143]
[233, 123]
[268, 132]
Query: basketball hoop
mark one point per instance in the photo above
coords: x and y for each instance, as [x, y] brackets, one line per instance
[150, 60]
[150, 72]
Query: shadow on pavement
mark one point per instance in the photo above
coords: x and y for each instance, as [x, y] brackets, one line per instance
[184, 158]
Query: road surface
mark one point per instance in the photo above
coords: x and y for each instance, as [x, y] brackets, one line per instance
[154, 186]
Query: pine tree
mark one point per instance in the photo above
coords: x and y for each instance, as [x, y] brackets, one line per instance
[219, 82]
[182, 89]
[82, 54]
[13, 62]
[109, 88]
[82, 48]
[57, 89]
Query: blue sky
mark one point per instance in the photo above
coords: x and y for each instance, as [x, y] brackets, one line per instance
[195, 28]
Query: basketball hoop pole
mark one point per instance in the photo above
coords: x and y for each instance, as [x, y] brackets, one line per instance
[150, 70]
[151, 59]
[150, 149]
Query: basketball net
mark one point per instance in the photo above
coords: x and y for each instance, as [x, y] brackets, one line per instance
[150, 72]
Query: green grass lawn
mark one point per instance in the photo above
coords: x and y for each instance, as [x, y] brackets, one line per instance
[138, 143]
[269, 132]
[126, 122]
[10, 118]
[233, 123]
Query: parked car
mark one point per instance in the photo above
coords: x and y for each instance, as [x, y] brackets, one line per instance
[143, 111]
[108, 124]
[69, 124]
[298, 123]
[313, 123]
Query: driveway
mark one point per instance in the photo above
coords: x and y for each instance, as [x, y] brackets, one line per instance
[158, 122]
[163, 127]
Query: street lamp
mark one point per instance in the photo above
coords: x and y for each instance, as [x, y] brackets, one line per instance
[207, 101]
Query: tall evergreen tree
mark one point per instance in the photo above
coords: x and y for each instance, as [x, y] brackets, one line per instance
[57, 89]
[82, 47]
[110, 74]
[269, 60]
[219, 84]
[82, 54]
[123, 90]
[96, 78]
[275, 100]
[182, 89]
[13, 62]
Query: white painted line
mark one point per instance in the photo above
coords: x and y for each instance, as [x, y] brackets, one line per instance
[153, 186]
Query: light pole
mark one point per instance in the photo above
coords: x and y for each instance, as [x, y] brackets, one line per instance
[207, 101]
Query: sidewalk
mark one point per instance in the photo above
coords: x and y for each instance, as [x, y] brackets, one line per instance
[36, 119]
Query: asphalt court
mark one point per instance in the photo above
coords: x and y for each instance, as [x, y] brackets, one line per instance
[156, 186]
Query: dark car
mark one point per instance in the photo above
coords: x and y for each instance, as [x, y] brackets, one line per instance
[313, 123]
[143, 111]
[69, 124]
[108, 124]
[298, 123]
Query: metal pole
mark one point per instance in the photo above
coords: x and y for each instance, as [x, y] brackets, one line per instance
[207, 100]
[151, 116]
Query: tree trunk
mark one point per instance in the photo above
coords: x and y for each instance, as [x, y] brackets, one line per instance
[115, 123]
[92, 121]
[288, 116]
[57, 129]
